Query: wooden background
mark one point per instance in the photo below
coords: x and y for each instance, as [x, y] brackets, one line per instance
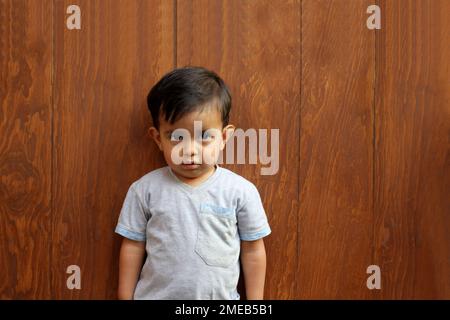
[364, 119]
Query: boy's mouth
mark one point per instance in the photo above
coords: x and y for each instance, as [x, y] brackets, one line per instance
[190, 165]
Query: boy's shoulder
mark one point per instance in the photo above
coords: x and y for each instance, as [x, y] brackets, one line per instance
[234, 180]
[154, 177]
[234, 177]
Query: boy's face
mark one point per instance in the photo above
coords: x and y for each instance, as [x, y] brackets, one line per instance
[191, 145]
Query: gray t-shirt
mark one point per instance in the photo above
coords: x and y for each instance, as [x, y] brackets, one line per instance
[192, 234]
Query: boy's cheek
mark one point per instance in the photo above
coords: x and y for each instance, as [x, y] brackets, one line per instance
[211, 152]
[171, 155]
[166, 149]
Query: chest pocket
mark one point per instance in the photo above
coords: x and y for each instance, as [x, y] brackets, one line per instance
[217, 243]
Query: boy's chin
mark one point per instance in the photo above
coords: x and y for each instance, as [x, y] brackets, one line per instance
[191, 172]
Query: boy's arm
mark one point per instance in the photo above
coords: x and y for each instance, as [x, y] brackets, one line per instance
[253, 259]
[131, 259]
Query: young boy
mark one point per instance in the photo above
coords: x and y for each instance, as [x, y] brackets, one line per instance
[194, 219]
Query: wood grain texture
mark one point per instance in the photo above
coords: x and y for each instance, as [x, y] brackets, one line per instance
[335, 223]
[103, 72]
[364, 123]
[25, 149]
[412, 181]
[255, 47]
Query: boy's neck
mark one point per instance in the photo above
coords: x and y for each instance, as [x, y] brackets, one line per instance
[198, 180]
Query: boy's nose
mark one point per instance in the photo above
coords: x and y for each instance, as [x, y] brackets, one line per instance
[191, 148]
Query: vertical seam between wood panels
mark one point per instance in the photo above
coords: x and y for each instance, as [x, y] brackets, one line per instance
[374, 155]
[297, 286]
[52, 174]
[175, 58]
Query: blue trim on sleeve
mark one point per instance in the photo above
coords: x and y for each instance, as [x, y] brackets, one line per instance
[257, 235]
[133, 235]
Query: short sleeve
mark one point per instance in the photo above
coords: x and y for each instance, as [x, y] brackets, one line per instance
[251, 217]
[132, 222]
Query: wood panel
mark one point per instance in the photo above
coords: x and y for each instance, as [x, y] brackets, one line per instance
[336, 151]
[412, 168]
[103, 72]
[25, 148]
[364, 172]
[255, 47]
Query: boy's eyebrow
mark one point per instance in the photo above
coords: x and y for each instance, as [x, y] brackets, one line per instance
[170, 130]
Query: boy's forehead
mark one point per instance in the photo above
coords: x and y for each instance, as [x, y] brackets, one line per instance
[208, 116]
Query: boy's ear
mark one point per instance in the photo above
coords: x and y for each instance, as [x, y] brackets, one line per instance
[154, 134]
[227, 132]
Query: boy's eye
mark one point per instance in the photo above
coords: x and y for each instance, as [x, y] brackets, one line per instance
[207, 136]
[177, 136]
